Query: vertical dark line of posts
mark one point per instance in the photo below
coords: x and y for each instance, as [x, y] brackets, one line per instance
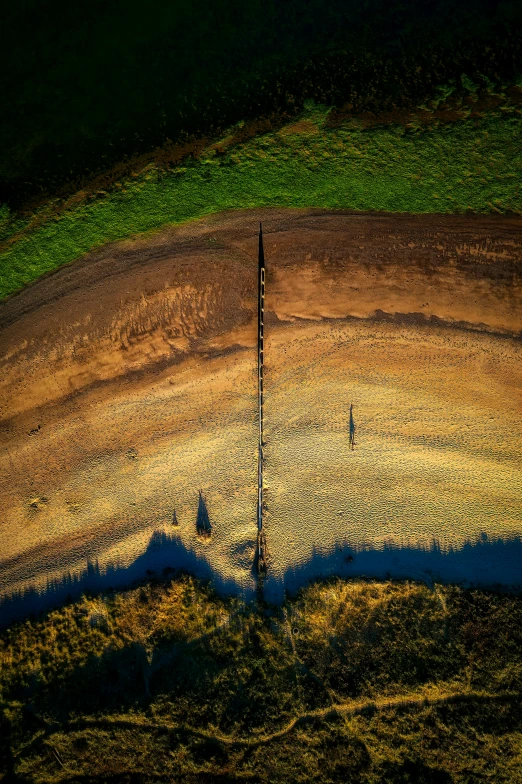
[261, 542]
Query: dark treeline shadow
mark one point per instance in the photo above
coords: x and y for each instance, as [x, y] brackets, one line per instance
[164, 555]
[486, 563]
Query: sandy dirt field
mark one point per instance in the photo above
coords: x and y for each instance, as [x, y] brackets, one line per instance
[128, 383]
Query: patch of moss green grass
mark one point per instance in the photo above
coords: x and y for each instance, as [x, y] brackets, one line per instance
[350, 681]
[470, 165]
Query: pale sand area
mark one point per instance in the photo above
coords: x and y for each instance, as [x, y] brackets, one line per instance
[138, 363]
[116, 471]
[438, 437]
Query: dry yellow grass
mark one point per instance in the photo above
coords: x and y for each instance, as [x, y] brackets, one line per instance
[350, 681]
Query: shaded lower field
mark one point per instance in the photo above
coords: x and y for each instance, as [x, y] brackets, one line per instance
[350, 681]
[129, 384]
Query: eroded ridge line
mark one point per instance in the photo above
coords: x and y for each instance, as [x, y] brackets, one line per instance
[261, 554]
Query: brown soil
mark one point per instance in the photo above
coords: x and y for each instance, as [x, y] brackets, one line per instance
[128, 378]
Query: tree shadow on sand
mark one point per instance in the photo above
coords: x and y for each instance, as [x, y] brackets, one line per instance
[486, 563]
[203, 526]
[165, 554]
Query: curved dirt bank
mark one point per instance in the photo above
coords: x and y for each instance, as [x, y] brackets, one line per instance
[128, 383]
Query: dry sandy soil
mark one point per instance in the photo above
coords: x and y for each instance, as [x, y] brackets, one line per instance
[128, 383]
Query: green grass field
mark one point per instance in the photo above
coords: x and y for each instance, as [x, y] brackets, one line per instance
[472, 164]
[351, 681]
[87, 87]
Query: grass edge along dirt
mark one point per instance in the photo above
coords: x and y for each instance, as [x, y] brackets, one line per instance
[352, 680]
[471, 164]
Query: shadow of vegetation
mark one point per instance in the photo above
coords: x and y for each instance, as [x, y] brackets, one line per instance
[203, 526]
[486, 563]
[164, 555]
[414, 771]
[122, 678]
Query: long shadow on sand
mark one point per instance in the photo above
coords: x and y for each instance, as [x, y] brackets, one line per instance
[164, 554]
[487, 563]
